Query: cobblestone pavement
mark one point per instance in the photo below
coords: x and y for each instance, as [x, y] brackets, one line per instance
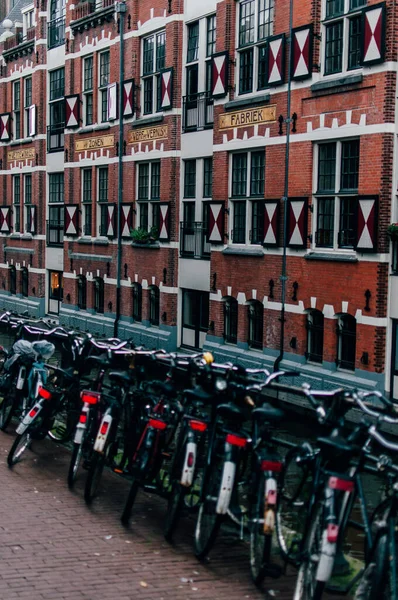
[54, 547]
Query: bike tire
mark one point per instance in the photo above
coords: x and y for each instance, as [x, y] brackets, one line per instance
[74, 464]
[94, 477]
[66, 420]
[260, 543]
[209, 522]
[21, 443]
[375, 580]
[128, 507]
[7, 410]
[174, 510]
[294, 489]
[307, 587]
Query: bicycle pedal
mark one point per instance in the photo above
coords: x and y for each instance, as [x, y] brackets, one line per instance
[122, 472]
[166, 455]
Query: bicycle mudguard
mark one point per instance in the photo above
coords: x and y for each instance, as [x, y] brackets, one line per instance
[82, 424]
[226, 487]
[188, 468]
[103, 432]
[21, 377]
[30, 417]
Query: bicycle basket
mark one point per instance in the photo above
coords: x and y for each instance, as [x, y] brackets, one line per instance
[44, 349]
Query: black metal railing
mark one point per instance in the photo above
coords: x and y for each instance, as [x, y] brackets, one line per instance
[55, 137]
[54, 233]
[198, 112]
[193, 241]
[56, 33]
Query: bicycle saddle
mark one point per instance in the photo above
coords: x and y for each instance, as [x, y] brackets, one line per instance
[120, 376]
[198, 394]
[230, 411]
[163, 387]
[335, 443]
[268, 413]
[101, 361]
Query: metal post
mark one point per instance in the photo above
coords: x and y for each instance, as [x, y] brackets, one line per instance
[121, 10]
[283, 277]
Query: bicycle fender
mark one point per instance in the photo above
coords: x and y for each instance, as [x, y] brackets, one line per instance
[81, 426]
[21, 377]
[103, 433]
[30, 417]
[189, 464]
[227, 484]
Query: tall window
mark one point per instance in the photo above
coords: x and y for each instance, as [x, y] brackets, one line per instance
[256, 324]
[87, 201]
[207, 177]
[231, 320]
[211, 32]
[154, 305]
[88, 90]
[27, 103]
[57, 110]
[99, 295]
[104, 80]
[190, 179]
[153, 61]
[346, 341]
[16, 102]
[55, 229]
[17, 203]
[25, 282]
[103, 199]
[82, 292]
[336, 196]
[148, 195]
[315, 336]
[342, 35]
[247, 192]
[256, 18]
[137, 301]
[27, 198]
[12, 279]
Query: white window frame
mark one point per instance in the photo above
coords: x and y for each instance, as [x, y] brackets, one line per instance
[85, 92]
[103, 89]
[98, 203]
[155, 74]
[26, 111]
[84, 204]
[28, 18]
[27, 206]
[15, 111]
[149, 201]
[19, 204]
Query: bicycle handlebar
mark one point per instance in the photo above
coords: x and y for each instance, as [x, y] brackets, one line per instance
[382, 440]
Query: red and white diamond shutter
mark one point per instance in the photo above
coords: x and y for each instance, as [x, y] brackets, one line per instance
[367, 224]
[276, 59]
[5, 219]
[111, 221]
[5, 127]
[32, 119]
[373, 37]
[112, 101]
[126, 220]
[31, 219]
[166, 99]
[72, 111]
[128, 98]
[271, 223]
[216, 223]
[164, 221]
[297, 222]
[302, 52]
[219, 74]
[71, 220]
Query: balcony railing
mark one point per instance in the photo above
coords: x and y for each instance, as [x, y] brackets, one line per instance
[55, 233]
[56, 33]
[198, 112]
[83, 9]
[193, 241]
[55, 137]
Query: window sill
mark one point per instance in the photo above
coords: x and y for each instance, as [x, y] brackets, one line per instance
[85, 240]
[26, 236]
[152, 246]
[332, 257]
[243, 102]
[245, 251]
[15, 236]
[101, 241]
[21, 141]
[142, 121]
[330, 84]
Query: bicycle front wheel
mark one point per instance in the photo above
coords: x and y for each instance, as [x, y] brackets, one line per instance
[94, 477]
[209, 522]
[7, 409]
[307, 586]
[375, 582]
[21, 443]
[260, 541]
[74, 464]
[174, 510]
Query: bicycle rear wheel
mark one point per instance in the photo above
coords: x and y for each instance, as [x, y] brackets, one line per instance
[174, 510]
[260, 542]
[21, 443]
[94, 477]
[8, 407]
[209, 522]
[376, 580]
[74, 464]
[307, 586]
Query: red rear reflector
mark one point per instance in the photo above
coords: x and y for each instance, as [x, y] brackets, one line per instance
[271, 498]
[104, 428]
[83, 418]
[43, 393]
[332, 533]
[236, 440]
[271, 465]
[343, 485]
[190, 460]
[33, 412]
[90, 397]
[198, 425]
[156, 424]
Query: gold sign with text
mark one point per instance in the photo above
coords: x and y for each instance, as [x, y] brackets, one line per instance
[21, 154]
[104, 141]
[246, 118]
[149, 134]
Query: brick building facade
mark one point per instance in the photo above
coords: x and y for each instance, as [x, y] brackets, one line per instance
[203, 151]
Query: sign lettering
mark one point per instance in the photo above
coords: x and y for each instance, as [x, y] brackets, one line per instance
[105, 141]
[148, 134]
[246, 118]
[21, 154]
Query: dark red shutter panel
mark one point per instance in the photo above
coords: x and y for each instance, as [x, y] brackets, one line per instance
[164, 221]
[32, 112]
[128, 98]
[271, 223]
[71, 220]
[219, 74]
[216, 223]
[367, 224]
[5, 219]
[276, 59]
[126, 220]
[297, 222]
[301, 49]
[111, 222]
[5, 127]
[373, 34]
[31, 216]
[167, 89]
[72, 111]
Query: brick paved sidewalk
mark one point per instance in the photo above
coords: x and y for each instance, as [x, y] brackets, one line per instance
[53, 547]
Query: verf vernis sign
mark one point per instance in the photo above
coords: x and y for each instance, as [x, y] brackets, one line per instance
[245, 118]
[149, 133]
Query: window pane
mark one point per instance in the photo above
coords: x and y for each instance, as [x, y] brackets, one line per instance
[189, 214]
[144, 222]
[239, 175]
[327, 168]
[88, 73]
[56, 185]
[137, 302]
[155, 181]
[256, 316]
[17, 95]
[354, 43]
[334, 8]
[349, 165]
[334, 48]
[347, 342]
[103, 184]
[193, 42]
[246, 22]
[262, 67]
[88, 219]
[57, 84]
[239, 230]
[148, 96]
[148, 55]
[87, 185]
[211, 35]
[257, 234]
[28, 91]
[190, 179]
[28, 189]
[143, 181]
[357, 4]
[348, 219]
[265, 18]
[207, 177]
[315, 327]
[160, 50]
[154, 305]
[257, 175]
[325, 222]
[231, 320]
[104, 68]
[246, 71]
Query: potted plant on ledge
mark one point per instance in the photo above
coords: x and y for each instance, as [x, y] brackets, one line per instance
[143, 237]
[392, 231]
